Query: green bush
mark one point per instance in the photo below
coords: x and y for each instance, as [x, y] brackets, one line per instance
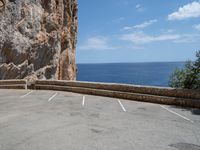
[188, 77]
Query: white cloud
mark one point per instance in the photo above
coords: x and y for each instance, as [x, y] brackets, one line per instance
[96, 43]
[142, 38]
[167, 31]
[143, 25]
[117, 20]
[127, 28]
[139, 8]
[170, 30]
[190, 10]
[197, 27]
[188, 38]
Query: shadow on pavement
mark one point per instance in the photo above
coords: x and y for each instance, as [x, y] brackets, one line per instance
[194, 111]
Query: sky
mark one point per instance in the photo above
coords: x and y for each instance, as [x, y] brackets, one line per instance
[137, 30]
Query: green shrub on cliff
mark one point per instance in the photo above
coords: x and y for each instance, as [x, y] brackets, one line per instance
[188, 77]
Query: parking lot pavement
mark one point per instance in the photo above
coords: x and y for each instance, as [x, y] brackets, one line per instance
[55, 120]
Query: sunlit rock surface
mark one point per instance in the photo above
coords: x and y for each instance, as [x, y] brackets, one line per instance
[38, 39]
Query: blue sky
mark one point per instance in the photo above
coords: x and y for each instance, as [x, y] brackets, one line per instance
[137, 30]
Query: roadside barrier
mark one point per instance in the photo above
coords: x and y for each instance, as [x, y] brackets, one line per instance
[160, 95]
[13, 84]
[168, 96]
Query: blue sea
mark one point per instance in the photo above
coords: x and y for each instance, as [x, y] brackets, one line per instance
[154, 74]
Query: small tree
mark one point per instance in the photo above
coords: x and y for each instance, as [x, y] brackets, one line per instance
[188, 77]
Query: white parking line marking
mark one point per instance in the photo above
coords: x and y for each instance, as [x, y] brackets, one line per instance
[83, 102]
[173, 112]
[26, 94]
[52, 97]
[121, 105]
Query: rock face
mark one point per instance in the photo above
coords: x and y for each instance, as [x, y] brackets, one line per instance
[38, 39]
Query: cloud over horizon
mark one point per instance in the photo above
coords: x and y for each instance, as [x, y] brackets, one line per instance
[197, 27]
[96, 43]
[191, 10]
[140, 26]
[139, 8]
[142, 38]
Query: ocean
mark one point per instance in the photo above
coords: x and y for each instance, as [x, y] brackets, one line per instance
[153, 74]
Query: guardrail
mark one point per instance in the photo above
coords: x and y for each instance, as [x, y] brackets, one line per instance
[13, 84]
[169, 96]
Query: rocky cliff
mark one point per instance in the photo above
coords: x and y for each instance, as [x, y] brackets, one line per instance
[38, 39]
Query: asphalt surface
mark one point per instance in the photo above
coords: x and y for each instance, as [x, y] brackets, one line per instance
[53, 120]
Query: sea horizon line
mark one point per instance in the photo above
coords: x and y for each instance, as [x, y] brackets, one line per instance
[131, 62]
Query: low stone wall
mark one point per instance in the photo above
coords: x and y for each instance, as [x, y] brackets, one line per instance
[152, 90]
[13, 84]
[169, 96]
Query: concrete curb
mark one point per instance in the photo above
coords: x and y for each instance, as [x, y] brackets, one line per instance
[190, 98]
[13, 84]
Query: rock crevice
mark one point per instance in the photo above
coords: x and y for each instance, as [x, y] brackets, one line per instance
[38, 39]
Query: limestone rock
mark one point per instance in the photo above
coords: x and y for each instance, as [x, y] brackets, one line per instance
[38, 39]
